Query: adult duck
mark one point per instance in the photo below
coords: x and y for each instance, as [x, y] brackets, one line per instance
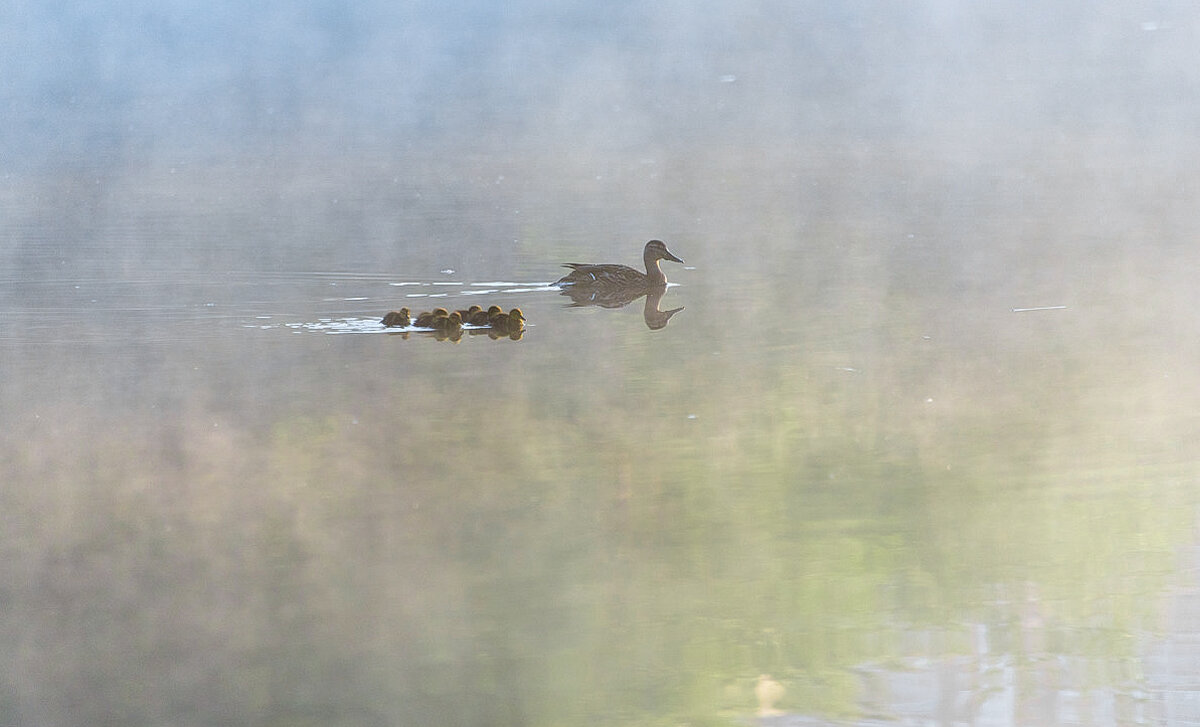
[622, 276]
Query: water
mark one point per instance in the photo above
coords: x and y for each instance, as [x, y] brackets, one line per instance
[919, 445]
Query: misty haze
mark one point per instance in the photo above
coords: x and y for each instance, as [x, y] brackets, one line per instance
[910, 437]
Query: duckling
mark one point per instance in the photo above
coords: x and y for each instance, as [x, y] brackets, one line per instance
[484, 317]
[466, 314]
[447, 324]
[509, 322]
[516, 320]
[396, 319]
[425, 320]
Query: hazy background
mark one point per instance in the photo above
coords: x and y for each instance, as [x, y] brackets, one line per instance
[852, 461]
[183, 82]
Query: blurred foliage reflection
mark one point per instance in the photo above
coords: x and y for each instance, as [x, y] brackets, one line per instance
[543, 552]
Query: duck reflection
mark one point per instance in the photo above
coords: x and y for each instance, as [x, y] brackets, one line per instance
[611, 285]
[653, 314]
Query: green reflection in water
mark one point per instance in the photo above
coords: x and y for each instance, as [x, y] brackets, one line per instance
[628, 530]
[843, 459]
[613, 566]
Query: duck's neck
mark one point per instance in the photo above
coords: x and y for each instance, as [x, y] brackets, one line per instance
[654, 274]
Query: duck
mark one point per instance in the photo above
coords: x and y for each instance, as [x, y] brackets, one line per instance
[425, 320]
[622, 276]
[466, 314]
[484, 317]
[448, 323]
[396, 319]
[509, 322]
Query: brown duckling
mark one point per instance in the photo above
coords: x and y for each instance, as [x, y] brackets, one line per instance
[396, 319]
[466, 314]
[484, 317]
[509, 322]
[425, 320]
[447, 324]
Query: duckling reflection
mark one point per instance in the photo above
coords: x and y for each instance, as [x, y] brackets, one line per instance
[655, 317]
[496, 335]
[453, 335]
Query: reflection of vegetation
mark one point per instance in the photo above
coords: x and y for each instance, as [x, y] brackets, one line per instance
[862, 462]
[546, 554]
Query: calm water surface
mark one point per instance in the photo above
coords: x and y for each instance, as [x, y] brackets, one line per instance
[920, 447]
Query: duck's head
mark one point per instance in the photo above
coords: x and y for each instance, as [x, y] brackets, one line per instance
[439, 312]
[454, 319]
[404, 312]
[516, 315]
[494, 310]
[657, 250]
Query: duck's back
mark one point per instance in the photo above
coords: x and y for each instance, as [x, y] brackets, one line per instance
[608, 274]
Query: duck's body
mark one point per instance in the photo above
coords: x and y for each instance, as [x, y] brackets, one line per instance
[396, 319]
[622, 276]
[426, 319]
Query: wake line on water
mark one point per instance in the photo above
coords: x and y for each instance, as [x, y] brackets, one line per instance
[484, 289]
[351, 325]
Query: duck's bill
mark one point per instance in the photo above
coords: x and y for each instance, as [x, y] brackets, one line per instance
[671, 256]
